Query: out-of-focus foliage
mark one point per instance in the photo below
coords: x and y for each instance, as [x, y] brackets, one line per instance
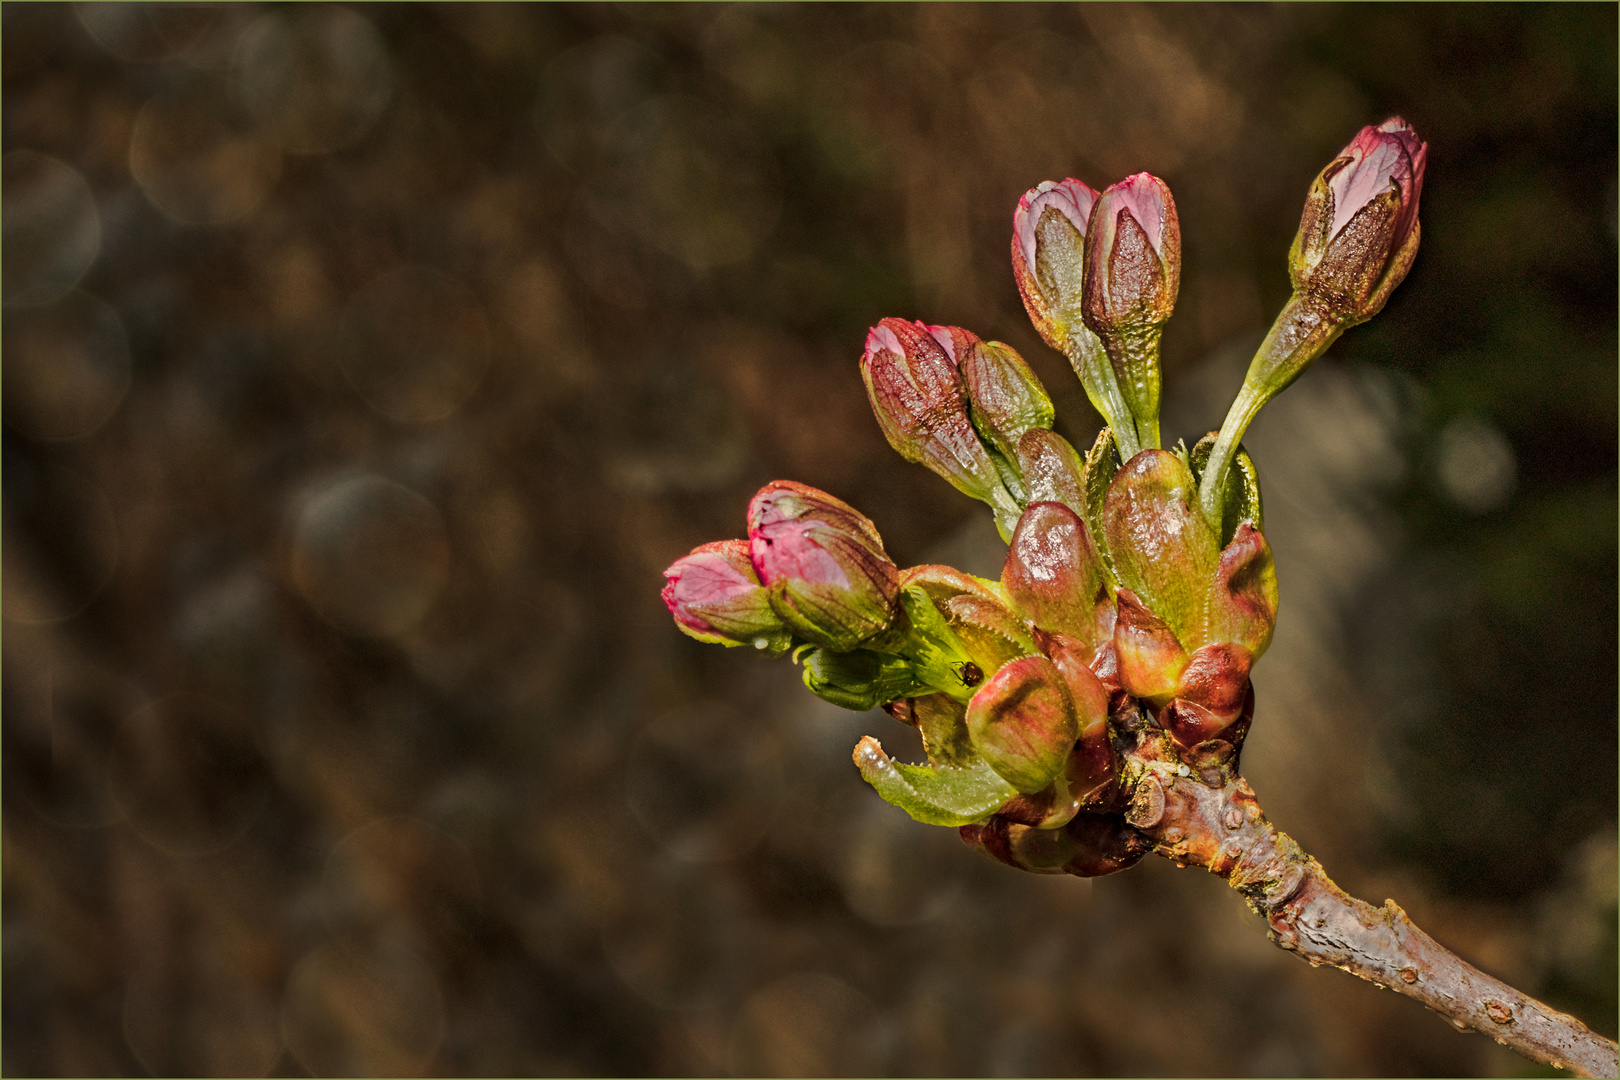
[365, 366]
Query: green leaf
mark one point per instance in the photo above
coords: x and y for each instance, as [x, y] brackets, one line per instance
[858, 680]
[933, 796]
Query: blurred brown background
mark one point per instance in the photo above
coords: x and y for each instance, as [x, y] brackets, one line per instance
[365, 366]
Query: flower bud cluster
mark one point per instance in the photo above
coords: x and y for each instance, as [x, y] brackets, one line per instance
[1138, 589]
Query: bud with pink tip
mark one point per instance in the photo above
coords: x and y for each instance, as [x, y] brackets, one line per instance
[921, 402]
[1133, 272]
[1005, 398]
[823, 565]
[1359, 232]
[1357, 239]
[715, 596]
[1049, 263]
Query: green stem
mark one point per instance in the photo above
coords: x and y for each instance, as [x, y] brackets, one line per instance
[1302, 331]
[1090, 362]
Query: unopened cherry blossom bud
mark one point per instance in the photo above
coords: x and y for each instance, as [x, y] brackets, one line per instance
[823, 565]
[1049, 251]
[715, 596]
[1359, 232]
[1357, 239]
[1049, 263]
[1005, 398]
[1133, 272]
[921, 402]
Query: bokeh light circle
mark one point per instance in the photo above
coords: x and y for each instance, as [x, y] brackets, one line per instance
[355, 1009]
[415, 345]
[67, 368]
[51, 225]
[704, 781]
[72, 783]
[197, 160]
[808, 1024]
[208, 1022]
[370, 555]
[147, 32]
[189, 775]
[316, 77]
[61, 543]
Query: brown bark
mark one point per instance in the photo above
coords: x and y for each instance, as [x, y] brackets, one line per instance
[1210, 817]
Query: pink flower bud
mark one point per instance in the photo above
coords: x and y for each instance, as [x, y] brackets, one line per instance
[1048, 251]
[1133, 272]
[921, 403]
[1134, 249]
[715, 596]
[1359, 232]
[1006, 398]
[823, 564]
